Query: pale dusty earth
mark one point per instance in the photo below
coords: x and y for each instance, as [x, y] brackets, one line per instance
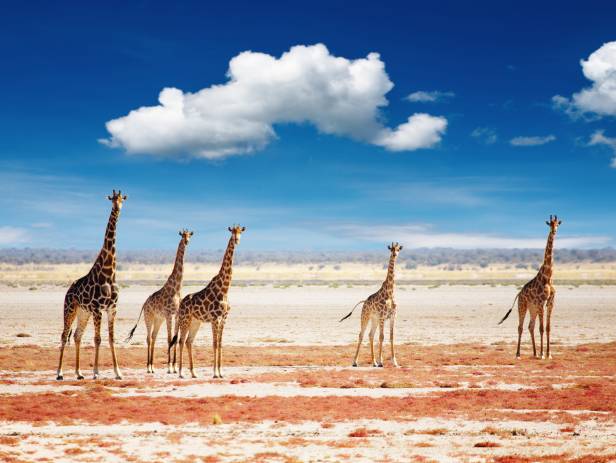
[227, 420]
[309, 315]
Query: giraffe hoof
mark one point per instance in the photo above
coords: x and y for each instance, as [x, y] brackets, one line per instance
[395, 365]
[59, 378]
[517, 357]
[550, 357]
[181, 376]
[380, 365]
[80, 377]
[95, 376]
[118, 377]
[355, 364]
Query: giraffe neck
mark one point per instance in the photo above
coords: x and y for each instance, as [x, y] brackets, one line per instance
[175, 279]
[106, 257]
[548, 258]
[388, 284]
[226, 269]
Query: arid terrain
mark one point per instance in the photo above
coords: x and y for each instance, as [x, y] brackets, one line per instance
[289, 392]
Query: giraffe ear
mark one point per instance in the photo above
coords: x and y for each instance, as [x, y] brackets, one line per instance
[192, 233]
[547, 223]
[125, 197]
[109, 197]
[559, 222]
[401, 247]
[389, 247]
[229, 228]
[180, 233]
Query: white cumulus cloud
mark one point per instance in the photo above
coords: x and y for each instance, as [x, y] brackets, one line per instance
[429, 97]
[532, 141]
[600, 97]
[307, 84]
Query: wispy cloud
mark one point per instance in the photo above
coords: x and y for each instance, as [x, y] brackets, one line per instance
[457, 191]
[531, 141]
[429, 97]
[425, 236]
[12, 236]
[485, 135]
[599, 138]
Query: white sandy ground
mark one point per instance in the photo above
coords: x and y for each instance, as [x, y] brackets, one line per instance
[23, 384]
[437, 439]
[309, 315]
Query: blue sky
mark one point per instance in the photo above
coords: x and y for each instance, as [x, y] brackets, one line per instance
[321, 161]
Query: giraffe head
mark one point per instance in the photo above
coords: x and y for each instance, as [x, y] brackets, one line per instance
[236, 232]
[117, 199]
[553, 223]
[395, 249]
[186, 235]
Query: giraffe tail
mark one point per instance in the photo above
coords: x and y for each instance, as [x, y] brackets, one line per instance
[344, 318]
[132, 332]
[512, 306]
[175, 336]
[68, 339]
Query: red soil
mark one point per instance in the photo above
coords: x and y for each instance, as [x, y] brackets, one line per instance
[98, 405]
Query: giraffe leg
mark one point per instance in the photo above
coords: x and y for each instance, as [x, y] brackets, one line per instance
[522, 308]
[364, 324]
[381, 338]
[373, 326]
[96, 318]
[215, 346]
[550, 306]
[221, 327]
[111, 314]
[194, 327]
[541, 313]
[157, 323]
[82, 321]
[392, 330]
[184, 325]
[531, 329]
[169, 321]
[149, 325]
[70, 312]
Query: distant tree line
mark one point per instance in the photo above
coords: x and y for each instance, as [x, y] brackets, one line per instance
[409, 257]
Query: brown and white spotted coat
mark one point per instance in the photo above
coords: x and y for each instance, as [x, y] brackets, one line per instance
[94, 294]
[208, 305]
[163, 305]
[537, 297]
[378, 308]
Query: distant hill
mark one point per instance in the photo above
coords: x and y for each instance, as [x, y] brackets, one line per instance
[409, 258]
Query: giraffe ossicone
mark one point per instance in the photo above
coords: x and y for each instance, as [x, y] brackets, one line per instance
[93, 294]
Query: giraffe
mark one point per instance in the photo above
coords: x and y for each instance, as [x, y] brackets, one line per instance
[538, 294]
[163, 305]
[93, 294]
[378, 308]
[208, 305]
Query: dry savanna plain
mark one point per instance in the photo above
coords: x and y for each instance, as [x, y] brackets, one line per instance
[290, 394]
